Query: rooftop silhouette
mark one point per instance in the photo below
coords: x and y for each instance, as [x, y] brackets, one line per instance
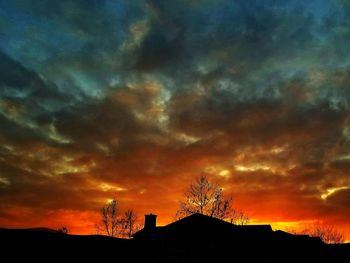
[199, 224]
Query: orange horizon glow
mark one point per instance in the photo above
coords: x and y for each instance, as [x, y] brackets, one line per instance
[83, 222]
[270, 193]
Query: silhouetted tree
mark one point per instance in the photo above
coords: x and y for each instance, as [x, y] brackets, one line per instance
[109, 213]
[114, 224]
[327, 233]
[63, 230]
[129, 225]
[238, 217]
[205, 198]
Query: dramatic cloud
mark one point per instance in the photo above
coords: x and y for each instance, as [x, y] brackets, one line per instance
[134, 99]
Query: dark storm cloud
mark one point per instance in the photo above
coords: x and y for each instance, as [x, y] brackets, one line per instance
[74, 43]
[258, 121]
[26, 102]
[44, 185]
[340, 199]
[137, 97]
[17, 82]
[13, 133]
[230, 40]
[250, 31]
[117, 125]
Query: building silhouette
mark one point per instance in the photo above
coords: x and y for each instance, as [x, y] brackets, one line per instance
[196, 238]
[199, 237]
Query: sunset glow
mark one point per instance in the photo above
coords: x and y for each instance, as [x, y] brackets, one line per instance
[135, 99]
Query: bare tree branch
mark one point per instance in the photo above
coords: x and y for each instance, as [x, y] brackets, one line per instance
[327, 233]
[129, 225]
[109, 213]
[238, 217]
[205, 198]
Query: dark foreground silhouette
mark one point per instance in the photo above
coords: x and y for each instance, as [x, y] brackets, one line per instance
[196, 238]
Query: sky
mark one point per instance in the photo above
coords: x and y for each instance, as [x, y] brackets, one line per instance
[133, 100]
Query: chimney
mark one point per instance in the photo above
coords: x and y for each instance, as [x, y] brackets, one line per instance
[150, 221]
